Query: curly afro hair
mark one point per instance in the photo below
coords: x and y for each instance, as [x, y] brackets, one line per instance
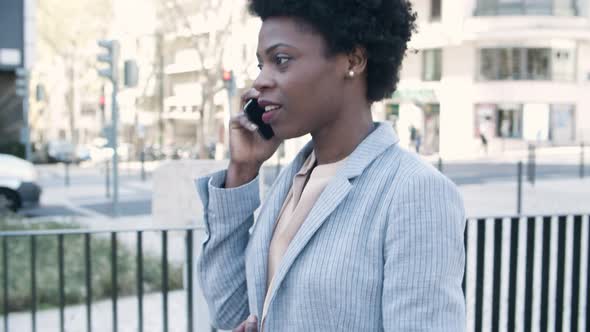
[382, 27]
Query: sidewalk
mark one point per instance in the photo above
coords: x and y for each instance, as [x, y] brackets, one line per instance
[102, 316]
[546, 196]
[549, 155]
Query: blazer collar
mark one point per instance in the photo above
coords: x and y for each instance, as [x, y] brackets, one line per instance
[381, 138]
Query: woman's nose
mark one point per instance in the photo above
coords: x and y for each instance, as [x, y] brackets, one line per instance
[264, 80]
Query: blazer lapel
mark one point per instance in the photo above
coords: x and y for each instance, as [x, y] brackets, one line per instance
[328, 201]
[264, 227]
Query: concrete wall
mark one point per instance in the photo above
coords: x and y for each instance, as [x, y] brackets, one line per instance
[175, 201]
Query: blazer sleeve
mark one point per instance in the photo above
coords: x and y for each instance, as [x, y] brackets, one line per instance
[228, 216]
[424, 257]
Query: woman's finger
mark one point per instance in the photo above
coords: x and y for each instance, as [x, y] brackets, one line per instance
[240, 328]
[250, 94]
[240, 121]
[252, 324]
[243, 120]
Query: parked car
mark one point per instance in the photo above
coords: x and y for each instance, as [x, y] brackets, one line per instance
[18, 183]
[61, 151]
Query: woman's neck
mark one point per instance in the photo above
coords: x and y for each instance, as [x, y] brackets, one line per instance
[338, 140]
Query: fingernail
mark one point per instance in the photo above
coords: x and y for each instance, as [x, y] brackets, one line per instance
[253, 127]
[251, 319]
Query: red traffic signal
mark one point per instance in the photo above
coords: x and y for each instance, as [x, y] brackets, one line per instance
[227, 75]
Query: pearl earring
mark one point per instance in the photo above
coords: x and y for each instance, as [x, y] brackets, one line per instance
[351, 74]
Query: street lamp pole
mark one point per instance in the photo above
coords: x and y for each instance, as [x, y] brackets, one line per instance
[111, 58]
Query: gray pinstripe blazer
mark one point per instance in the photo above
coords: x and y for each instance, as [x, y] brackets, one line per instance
[381, 250]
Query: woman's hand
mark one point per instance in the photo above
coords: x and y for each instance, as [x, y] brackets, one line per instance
[249, 325]
[248, 149]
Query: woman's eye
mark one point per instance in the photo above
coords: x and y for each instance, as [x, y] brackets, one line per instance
[281, 59]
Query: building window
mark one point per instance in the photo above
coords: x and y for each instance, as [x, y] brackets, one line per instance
[498, 120]
[509, 121]
[536, 64]
[562, 125]
[538, 68]
[527, 7]
[529, 121]
[435, 10]
[432, 65]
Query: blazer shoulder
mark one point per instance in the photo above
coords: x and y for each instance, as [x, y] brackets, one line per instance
[412, 173]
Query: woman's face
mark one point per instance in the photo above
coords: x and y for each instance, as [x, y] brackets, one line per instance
[297, 79]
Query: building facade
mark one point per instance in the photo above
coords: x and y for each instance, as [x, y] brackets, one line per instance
[17, 33]
[495, 75]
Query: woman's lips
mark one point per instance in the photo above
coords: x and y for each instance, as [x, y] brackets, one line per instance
[268, 117]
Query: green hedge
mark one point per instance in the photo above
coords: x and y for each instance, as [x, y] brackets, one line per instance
[19, 268]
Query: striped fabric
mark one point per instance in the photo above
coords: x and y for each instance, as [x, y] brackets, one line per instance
[381, 250]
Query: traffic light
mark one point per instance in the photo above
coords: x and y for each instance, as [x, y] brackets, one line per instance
[229, 81]
[111, 58]
[22, 82]
[228, 77]
[40, 92]
[131, 73]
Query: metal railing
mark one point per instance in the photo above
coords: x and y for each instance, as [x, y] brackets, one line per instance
[477, 245]
[552, 272]
[87, 248]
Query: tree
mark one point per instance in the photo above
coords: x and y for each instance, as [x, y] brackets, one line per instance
[67, 34]
[206, 25]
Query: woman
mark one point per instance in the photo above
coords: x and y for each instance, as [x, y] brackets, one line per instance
[356, 234]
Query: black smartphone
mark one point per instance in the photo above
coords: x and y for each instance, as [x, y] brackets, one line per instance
[254, 113]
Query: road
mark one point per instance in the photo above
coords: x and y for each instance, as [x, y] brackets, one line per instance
[86, 193]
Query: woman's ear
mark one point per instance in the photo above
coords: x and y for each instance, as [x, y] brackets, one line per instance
[357, 61]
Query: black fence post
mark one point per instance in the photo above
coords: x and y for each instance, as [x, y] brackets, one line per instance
[5, 281]
[189, 280]
[480, 275]
[33, 283]
[530, 261]
[497, 273]
[140, 280]
[114, 290]
[512, 283]
[545, 261]
[532, 164]
[165, 281]
[62, 296]
[575, 278]
[519, 188]
[107, 179]
[88, 272]
[142, 158]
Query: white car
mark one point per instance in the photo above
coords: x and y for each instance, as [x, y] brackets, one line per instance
[18, 183]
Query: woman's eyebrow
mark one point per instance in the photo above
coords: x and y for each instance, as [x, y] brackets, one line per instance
[272, 48]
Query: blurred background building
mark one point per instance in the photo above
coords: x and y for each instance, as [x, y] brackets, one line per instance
[505, 72]
[208, 57]
[481, 76]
